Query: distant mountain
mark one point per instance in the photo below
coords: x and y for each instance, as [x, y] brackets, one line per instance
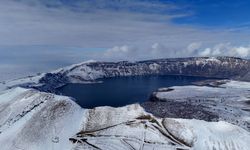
[219, 67]
[216, 67]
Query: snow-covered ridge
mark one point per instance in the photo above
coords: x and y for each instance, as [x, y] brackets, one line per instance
[221, 67]
[35, 120]
[217, 67]
[30, 120]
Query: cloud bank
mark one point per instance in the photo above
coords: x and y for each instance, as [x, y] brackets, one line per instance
[226, 49]
[196, 49]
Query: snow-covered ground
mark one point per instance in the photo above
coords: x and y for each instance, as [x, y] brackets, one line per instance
[33, 120]
[34, 80]
[230, 101]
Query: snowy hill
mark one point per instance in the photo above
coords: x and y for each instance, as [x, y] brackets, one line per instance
[30, 120]
[33, 120]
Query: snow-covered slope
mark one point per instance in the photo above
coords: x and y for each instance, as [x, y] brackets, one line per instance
[228, 102]
[26, 81]
[219, 67]
[33, 120]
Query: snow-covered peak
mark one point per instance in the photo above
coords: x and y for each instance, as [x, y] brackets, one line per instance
[67, 68]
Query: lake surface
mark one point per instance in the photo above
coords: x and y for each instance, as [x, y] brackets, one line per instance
[120, 91]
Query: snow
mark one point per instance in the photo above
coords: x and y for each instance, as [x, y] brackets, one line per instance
[227, 101]
[27, 80]
[237, 84]
[36, 120]
[230, 88]
[85, 73]
[209, 135]
[80, 69]
[154, 66]
[72, 66]
[214, 59]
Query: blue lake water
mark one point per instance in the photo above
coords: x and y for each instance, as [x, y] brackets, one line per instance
[120, 91]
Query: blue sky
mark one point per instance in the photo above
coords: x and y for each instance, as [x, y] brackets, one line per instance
[207, 13]
[54, 33]
[216, 13]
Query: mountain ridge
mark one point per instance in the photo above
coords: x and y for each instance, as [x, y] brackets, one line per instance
[214, 67]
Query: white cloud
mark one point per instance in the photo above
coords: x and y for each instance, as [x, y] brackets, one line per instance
[243, 51]
[193, 47]
[126, 52]
[121, 53]
[205, 52]
[226, 49]
[158, 50]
